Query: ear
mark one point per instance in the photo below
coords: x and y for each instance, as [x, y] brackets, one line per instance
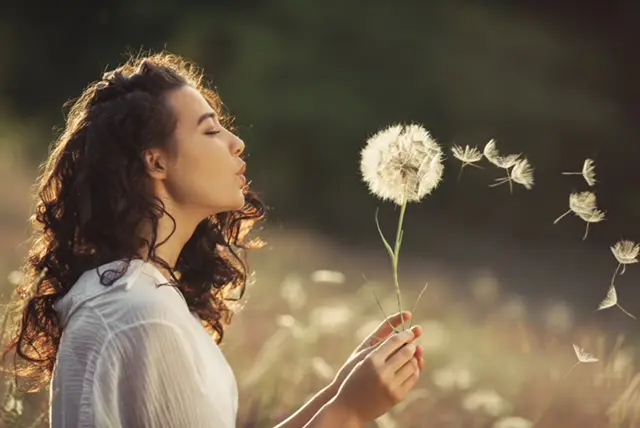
[156, 162]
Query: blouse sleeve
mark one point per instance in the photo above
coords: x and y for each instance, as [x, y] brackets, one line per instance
[149, 376]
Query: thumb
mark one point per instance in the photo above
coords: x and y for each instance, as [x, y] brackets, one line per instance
[385, 329]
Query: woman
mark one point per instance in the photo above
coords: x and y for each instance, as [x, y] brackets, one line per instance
[141, 220]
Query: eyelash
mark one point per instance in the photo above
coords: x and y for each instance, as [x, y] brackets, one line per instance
[212, 132]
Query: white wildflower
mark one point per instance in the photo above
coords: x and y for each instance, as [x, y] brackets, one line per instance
[588, 172]
[328, 276]
[322, 368]
[513, 422]
[467, 155]
[583, 205]
[402, 163]
[486, 401]
[435, 336]
[293, 292]
[611, 300]
[330, 318]
[453, 377]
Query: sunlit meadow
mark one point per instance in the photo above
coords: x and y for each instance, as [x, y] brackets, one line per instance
[491, 361]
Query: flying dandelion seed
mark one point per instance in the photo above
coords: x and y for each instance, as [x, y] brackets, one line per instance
[626, 253]
[401, 164]
[583, 205]
[492, 154]
[468, 156]
[611, 300]
[583, 358]
[588, 172]
[521, 173]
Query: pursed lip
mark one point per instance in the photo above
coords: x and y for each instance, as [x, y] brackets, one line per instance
[241, 172]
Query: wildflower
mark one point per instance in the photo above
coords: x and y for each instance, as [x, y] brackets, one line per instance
[330, 318]
[453, 377]
[583, 357]
[402, 164]
[583, 204]
[588, 172]
[293, 292]
[467, 155]
[435, 336]
[487, 401]
[328, 276]
[513, 422]
[611, 300]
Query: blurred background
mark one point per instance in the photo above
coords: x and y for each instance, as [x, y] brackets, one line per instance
[308, 82]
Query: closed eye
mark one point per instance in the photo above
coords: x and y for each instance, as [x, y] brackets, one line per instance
[212, 132]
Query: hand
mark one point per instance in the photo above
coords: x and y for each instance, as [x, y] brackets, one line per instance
[380, 334]
[382, 379]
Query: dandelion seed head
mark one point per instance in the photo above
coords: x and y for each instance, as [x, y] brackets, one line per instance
[583, 356]
[626, 252]
[402, 163]
[467, 154]
[522, 173]
[588, 172]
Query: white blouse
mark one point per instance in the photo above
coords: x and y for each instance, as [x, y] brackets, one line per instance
[133, 355]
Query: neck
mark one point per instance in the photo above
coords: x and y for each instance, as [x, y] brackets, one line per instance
[172, 234]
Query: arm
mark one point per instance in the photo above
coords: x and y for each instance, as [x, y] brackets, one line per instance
[148, 376]
[300, 418]
[331, 414]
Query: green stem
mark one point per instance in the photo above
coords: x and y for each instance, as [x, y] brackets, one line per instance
[396, 254]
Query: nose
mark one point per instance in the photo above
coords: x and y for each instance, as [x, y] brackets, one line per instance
[237, 145]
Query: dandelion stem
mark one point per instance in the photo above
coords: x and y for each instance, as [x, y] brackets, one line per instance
[460, 173]
[562, 216]
[396, 254]
[384, 240]
[586, 232]
[571, 173]
[625, 311]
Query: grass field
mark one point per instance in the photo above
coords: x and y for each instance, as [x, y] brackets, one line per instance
[488, 356]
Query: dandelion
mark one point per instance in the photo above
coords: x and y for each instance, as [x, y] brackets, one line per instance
[588, 172]
[626, 253]
[521, 173]
[583, 357]
[328, 276]
[487, 401]
[583, 205]
[513, 422]
[401, 164]
[468, 156]
[492, 154]
[611, 300]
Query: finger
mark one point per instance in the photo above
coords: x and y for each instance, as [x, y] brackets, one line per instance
[385, 328]
[408, 384]
[419, 356]
[408, 370]
[402, 356]
[393, 343]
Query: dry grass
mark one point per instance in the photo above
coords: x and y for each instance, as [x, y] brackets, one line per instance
[485, 358]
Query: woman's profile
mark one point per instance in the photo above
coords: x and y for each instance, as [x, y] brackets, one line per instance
[140, 232]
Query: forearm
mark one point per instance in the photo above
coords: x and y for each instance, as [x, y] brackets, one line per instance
[300, 418]
[331, 415]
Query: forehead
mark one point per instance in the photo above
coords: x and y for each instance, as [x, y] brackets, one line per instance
[188, 104]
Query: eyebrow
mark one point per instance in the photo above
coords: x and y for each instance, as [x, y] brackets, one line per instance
[210, 115]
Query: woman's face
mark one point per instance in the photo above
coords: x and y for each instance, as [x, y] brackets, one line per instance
[203, 174]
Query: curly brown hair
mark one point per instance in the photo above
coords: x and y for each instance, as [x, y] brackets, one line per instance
[93, 196]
